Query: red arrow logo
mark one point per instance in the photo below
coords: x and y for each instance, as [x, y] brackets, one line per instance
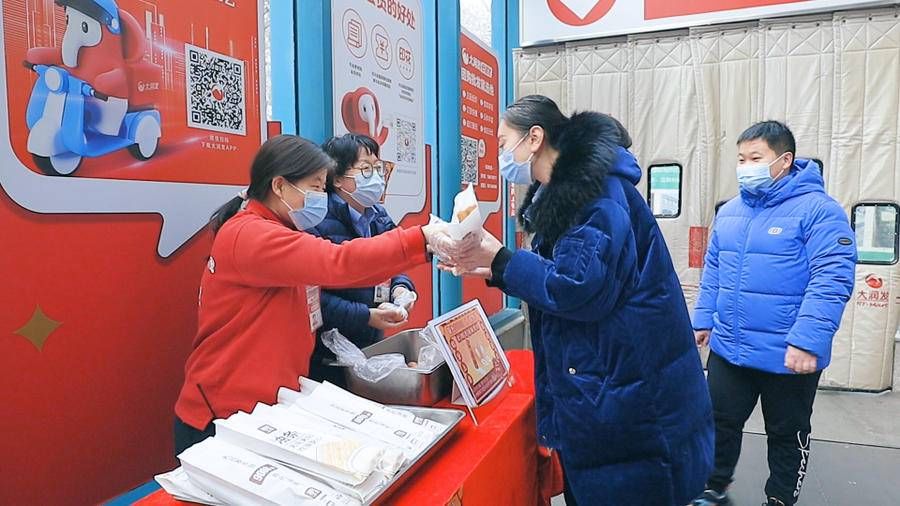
[564, 13]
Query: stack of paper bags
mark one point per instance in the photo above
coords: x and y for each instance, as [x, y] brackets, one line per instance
[320, 446]
[237, 476]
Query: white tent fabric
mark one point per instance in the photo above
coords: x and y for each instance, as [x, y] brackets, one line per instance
[686, 97]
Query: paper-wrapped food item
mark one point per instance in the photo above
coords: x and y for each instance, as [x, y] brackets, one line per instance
[467, 217]
[177, 484]
[237, 476]
[395, 427]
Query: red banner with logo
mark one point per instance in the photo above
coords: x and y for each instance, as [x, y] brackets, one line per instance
[655, 9]
[480, 88]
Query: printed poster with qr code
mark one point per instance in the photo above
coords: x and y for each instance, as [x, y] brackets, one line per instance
[377, 61]
[472, 351]
[147, 90]
[480, 87]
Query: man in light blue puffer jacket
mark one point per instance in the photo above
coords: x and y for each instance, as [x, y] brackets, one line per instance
[779, 271]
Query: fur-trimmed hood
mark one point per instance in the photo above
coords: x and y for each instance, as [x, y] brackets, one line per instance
[589, 146]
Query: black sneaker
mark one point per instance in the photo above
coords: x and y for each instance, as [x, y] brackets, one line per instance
[712, 498]
[773, 502]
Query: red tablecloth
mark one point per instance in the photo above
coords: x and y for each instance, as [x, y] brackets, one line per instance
[497, 462]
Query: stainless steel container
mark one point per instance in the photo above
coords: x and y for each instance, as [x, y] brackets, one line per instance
[403, 386]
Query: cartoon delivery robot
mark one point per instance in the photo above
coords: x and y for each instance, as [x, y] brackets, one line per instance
[94, 95]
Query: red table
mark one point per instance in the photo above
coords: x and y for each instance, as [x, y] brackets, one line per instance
[498, 462]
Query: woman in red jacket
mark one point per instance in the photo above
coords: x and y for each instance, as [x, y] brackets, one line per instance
[259, 295]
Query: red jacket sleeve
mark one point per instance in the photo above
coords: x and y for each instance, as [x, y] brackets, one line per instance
[266, 255]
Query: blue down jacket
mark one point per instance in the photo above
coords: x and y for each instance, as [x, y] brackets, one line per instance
[619, 384]
[779, 271]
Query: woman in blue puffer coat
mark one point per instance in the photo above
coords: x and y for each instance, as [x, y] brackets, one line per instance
[619, 384]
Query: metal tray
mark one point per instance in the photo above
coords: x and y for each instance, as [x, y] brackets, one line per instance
[403, 386]
[449, 417]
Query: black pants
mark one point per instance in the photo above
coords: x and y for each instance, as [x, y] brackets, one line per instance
[187, 436]
[787, 401]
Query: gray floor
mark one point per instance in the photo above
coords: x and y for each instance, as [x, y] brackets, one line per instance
[839, 475]
[855, 453]
[867, 419]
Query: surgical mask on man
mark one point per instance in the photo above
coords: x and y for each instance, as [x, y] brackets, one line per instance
[368, 190]
[513, 171]
[315, 207]
[755, 178]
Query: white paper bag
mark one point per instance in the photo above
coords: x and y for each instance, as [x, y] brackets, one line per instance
[467, 217]
[177, 484]
[237, 476]
[395, 427]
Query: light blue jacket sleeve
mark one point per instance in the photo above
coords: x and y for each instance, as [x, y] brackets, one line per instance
[831, 250]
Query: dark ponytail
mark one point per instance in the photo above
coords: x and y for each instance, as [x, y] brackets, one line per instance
[288, 156]
[536, 110]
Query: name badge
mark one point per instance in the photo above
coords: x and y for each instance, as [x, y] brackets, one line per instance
[383, 292]
[314, 303]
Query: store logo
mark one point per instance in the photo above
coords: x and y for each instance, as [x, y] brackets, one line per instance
[148, 86]
[218, 94]
[259, 476]
[874, 281]
[579, 12]
[266, 429]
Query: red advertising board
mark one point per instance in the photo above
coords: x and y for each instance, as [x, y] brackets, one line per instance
[123, 126]
[655, 9]
[480, 88]
[544, 21]
[697, 244]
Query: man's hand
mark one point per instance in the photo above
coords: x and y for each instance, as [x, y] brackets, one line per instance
[799, 361]
[701, 337]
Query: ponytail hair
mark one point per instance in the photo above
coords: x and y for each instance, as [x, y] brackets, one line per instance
[225, 212]
[288, 156]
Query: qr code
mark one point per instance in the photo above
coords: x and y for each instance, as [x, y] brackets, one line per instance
[216, 96]
[469, 157]
[407, 141]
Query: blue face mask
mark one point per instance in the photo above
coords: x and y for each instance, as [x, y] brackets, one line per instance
[315, 207]
[368, 190]
[756, 178]
[513, 171]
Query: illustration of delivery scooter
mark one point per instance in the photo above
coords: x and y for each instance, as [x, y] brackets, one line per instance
[94, 95]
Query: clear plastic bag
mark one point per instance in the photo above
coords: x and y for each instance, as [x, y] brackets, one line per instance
[372, 369]
[406, 299]
[429, 357]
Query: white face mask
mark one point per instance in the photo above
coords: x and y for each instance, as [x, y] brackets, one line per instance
[513, 171]
[368, 190]
[314, 210]
[756, 177]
